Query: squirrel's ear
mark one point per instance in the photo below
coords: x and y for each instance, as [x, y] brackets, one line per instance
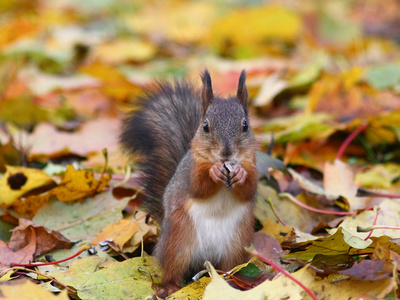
[207, 95]
[242, 90]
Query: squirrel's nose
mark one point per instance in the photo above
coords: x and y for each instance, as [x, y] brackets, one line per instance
[226, 151]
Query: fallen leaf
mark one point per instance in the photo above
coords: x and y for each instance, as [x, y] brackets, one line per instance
[268, 247]
[114, 83]
[77, 184]
[379, 176]
[370, 270]
[259, 25]
[83, 143]
[322, 288]
[194, 290]
[46, 240]
[383, 76]
[19, 289]
[82, 221]
[125, 50]
[19, 180]
[339, 181]
[120, 233]
[112, 280]
[22, 256]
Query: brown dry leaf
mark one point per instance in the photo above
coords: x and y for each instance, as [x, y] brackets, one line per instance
[21, 256]
[345, 100]
[46, 240]
[19, 180]
[120, 232]
[268, 246]
[312, 154]
[371, 270]
[20, 289]
[77, 184]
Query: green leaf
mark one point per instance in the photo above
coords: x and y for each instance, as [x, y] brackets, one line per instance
[251, 270]
[94, 278]
[383, 76]
[82, 221]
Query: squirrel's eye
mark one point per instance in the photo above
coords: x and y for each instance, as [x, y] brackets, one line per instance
[245, 126]
[205, 127]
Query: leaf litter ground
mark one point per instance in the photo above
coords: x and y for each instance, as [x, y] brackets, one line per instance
[324, 84]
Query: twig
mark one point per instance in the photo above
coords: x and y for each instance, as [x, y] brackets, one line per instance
[105, 154]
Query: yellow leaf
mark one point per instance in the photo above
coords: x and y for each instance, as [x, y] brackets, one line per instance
[250, 29]
[378, 176]
[195, 290]
[120, 233]
[19, 180]
[282, 287]
[352, 76]
[125, 50]
[180, 22]
[77, 184]
[20, 289]
[276, 230]
[379, 129]
[114, 83]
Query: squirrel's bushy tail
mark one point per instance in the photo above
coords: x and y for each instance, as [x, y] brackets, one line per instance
[160, 132]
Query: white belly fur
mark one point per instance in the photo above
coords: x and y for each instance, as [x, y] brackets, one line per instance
[215, 221]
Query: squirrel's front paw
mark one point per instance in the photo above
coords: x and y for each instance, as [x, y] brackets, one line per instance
[218, 173]
[237, 175]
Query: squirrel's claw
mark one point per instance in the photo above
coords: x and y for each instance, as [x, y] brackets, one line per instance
[238, 175]
[218, 173]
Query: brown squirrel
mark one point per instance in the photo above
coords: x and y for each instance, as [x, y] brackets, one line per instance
[199, 163]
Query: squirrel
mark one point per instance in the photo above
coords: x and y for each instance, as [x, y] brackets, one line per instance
[199, 163]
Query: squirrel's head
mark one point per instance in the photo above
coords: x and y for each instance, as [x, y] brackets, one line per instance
[224, 130]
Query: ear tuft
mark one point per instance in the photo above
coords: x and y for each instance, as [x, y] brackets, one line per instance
[207, 95]
[242, 94]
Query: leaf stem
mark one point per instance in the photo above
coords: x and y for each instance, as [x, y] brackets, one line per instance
[269, 201]
[348, 140]
[47, 276]
[373, 222]
[373, 227]
[328, 212]
[283, 271]
[86, 247]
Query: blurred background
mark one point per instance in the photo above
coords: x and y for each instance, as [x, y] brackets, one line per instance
[316, 71]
